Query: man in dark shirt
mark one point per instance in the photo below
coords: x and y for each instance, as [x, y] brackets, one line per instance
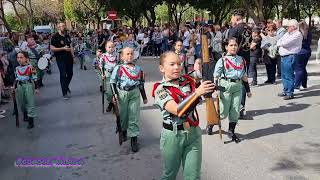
[237, 31]
[61, 46]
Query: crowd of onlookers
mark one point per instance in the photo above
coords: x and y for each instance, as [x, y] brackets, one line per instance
[261, 41]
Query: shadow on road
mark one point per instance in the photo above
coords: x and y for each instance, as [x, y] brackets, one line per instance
[152, 107]
[290, 107]
[300, 158]
[275, 129]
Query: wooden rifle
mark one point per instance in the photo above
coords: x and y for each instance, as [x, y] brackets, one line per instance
[103, 84]
[207, 75]
[15, 108]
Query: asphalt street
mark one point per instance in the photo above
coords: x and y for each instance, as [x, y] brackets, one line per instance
[280, 139]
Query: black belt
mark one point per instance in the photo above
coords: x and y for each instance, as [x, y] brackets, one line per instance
[231, 80]
[24, 82]
[170, 126]
[128, 88]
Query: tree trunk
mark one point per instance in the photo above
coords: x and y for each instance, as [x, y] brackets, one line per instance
[170, 13]
[298, 10]
[2, 17]
[16, 12]
[153, 17]
[310, 20]
[98, 21]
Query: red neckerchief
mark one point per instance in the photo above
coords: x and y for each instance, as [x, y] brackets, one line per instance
[26, 72]
[128, 74]
[230, 63]
[176, 93]
[105, 58]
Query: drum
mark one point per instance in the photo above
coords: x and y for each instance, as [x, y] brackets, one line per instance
[42, 63]
[136, 54]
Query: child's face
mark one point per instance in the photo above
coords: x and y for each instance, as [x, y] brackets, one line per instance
[31, 40]
[127, 55]
[171, 67]
[98, 53]
[110, 47]
[232, 47]
[22, 59]
[254, 34]
[178, 46]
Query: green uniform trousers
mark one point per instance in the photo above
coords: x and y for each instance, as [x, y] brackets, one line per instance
[40, 73]
[25, 98]
[129, 102]
[182, 146]
[230, 100]
[107, 87]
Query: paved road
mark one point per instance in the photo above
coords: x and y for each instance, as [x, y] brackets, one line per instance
[281, 139]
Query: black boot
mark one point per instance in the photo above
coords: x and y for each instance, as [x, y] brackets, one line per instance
[231, 134]
[30, 125]
[209, 129]
[40, 83]
[134, 144]
[25, 117]
[85, 67]
[109, 108]
[241, 113]
[81, 67]
[124, 136]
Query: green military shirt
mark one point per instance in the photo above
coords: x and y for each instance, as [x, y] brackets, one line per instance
[224, 67]
[163, 95]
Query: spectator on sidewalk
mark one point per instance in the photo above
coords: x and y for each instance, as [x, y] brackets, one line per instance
[280, 32]
[301, 75]
[289, 46]
[318, 53]
[269, 46]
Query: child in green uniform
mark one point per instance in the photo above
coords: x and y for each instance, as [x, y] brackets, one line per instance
[95, 64]
[35, 52]
[231, 72]
[25, 77]
[178, 47]
[126, 83]
[108, 61]
[177, 97]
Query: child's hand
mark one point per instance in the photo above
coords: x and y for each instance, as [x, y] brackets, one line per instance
[205, 87]
[37, 91]
[249, 94]
[115, 99]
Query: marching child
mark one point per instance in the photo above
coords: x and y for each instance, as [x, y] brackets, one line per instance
[108, 61]
[26, 86]
[191, 56]
[183, 58]
[177, 96]
[231, 72]
[127, 82]
[82, 48]
[95, 64]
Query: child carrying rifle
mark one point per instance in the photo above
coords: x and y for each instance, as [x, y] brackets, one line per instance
[231, 72]
[127, 82]
[95, 64]
[108, 61]
[177, 96]
[26, 86]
